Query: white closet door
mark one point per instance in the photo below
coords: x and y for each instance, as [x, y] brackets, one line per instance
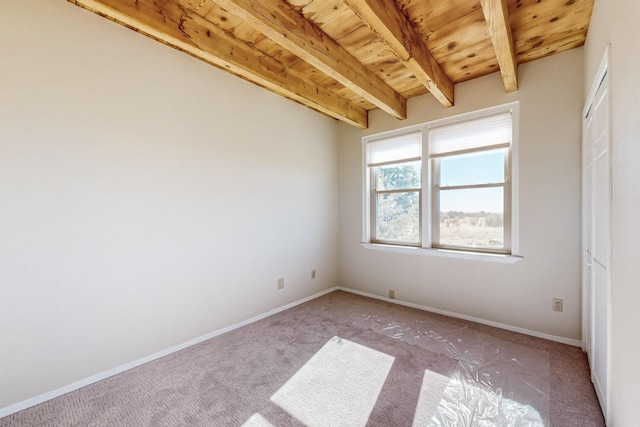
[596, 259]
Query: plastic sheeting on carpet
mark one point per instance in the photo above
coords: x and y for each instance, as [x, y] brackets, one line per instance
[496, 383]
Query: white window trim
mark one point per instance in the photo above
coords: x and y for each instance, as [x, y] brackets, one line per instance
[445, 253]
[426, 249]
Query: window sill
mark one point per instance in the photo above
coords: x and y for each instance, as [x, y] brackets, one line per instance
[478, 256]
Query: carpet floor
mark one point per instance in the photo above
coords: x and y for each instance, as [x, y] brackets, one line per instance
[343, 360]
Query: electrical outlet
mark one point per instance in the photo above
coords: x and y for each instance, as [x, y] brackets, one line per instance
[313, 274]
[557, 304]
[392, 294]
[280, 283]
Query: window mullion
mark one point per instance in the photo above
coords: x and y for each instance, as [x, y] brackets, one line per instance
[399, 190]
[471, 186]
[435, 202]
[373, 200]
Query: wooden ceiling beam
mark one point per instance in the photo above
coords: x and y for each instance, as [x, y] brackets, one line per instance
[393, 27]
[184, 30]
[497, 16]
[284, 25]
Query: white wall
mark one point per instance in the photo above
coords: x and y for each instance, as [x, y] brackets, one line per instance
[146, 198]
[520, 294]
[615, 22]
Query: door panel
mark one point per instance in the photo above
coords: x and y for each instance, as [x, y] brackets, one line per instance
[601, 332]
[601, 210]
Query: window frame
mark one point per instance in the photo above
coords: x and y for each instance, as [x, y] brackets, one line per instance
[428, 208]
[374, 200]
[436, 190]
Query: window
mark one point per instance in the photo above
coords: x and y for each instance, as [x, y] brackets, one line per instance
[471, 197]
[396, 189]
[447, 184]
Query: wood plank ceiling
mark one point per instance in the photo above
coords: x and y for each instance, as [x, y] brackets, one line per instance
[344, 58]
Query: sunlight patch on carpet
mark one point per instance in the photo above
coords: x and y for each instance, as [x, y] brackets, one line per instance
[338, 386]
[257, 420]
[433, 386]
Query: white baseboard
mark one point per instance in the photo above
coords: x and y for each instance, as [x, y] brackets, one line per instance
[563, 340]
[122, 368]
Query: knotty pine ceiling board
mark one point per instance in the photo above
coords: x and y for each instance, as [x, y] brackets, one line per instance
[541, 29]
[453, 32]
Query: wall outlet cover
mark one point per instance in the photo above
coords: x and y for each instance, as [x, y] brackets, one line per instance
[557, 304]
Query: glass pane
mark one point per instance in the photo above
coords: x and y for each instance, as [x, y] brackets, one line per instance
[398, 176]
[472, 218]
[398, 217]
[484, 167]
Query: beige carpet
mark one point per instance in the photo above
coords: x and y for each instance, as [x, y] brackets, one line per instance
[343, 359]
